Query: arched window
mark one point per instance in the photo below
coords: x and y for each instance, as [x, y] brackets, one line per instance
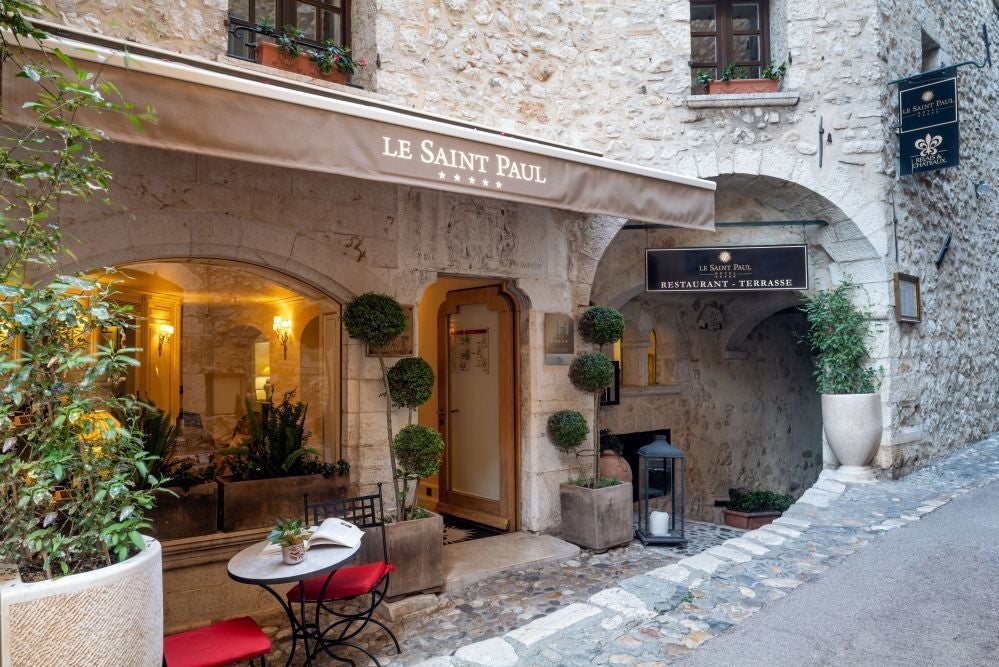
[653, 372]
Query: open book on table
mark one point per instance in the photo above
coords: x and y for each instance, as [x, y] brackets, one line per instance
[330, 533]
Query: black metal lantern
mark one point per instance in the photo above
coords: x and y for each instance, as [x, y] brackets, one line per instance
[661, 474]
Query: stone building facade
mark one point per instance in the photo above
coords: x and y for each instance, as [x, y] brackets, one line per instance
[614, 78]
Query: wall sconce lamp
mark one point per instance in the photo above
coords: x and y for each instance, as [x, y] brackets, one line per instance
[166, 333]
[282, 328]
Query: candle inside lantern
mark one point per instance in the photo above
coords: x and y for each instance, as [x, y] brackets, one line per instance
[659, 523]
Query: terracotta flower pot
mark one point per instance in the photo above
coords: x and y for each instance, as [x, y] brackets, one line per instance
[268, 54]
[613, 466]
[742, 86]
[749, 520]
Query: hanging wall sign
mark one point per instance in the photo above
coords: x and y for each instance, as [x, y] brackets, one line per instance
[727, 269]
[560, 341]
[929, 132]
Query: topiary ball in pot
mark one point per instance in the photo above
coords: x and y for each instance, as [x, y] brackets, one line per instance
[591, 372]
[418, 450]
[567, 429]
[411, 382]
[601, 326]
[376, 319]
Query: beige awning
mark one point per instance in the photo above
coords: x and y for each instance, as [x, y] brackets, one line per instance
[207, 111]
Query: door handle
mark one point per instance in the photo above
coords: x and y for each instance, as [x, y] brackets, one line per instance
[454, 411]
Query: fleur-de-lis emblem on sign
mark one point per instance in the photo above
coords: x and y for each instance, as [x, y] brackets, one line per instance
[928, 144]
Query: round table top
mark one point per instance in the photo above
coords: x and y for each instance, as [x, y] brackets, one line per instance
[250, 566]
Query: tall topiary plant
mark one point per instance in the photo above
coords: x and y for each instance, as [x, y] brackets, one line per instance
[837, 330]
[74, 481]
[377, 319]
[592, 372]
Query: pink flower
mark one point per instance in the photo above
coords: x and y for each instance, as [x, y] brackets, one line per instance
[362, 62]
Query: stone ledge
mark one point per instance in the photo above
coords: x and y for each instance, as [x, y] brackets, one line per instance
[728, 101]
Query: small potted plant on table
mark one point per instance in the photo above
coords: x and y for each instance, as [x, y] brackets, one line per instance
[288, 533]
[751, 509]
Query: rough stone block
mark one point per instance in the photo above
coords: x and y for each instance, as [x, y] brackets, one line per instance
[493, 652]
[546, 626]
[702, 562]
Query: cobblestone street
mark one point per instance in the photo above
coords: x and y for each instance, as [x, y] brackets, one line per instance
[649, 606]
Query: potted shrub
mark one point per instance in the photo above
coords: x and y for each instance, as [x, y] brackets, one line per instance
[187, 501]
[272, 471]
[851, 404]
[735, 80]
[415, 536]
[80, 584]
[330, 61]
[751, 509]
[289, 535]
[596, 511]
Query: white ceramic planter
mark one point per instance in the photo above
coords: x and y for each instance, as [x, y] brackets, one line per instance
[852, 424]
[111, 617]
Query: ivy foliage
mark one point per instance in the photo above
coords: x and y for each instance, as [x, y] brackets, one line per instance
[837, 330]
[376, 319]
[567, 429]
[74, 479]
[591, 372]
[411, 382]
[601, 326]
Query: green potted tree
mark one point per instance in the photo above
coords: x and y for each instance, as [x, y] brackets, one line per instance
[596, 511]
[415, 536]
[74, 481]
[851, 404]
[751, 509]
[272, 471]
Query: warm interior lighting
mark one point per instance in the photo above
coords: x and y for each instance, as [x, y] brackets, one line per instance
[282, 328]
[166, 333]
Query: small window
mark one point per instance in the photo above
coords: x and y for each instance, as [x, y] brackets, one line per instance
[727, 33]
[653, 366]
[319, 21]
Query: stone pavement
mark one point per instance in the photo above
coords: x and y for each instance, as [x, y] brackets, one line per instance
[636, 607]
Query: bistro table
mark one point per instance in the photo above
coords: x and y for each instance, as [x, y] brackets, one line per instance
[251, 566]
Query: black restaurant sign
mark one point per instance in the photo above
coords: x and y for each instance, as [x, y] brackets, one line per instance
[727, 269]
[929, 133]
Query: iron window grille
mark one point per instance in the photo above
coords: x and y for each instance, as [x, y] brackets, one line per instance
[319, 21]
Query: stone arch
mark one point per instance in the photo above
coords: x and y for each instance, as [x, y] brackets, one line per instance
[774, 303]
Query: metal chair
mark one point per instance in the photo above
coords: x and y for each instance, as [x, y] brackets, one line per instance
[349, 583]
[217, 645]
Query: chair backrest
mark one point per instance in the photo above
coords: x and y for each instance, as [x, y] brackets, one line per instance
[362, 511]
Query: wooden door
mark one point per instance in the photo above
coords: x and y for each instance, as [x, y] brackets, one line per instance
[477, 412]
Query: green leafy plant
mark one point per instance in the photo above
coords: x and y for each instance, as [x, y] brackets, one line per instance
[591, 372]
[704, 77]
[418, 451]
[411, 382]
[287, 532]
[277, 444]
[742, 500]
[734, 72]
[159, 437]
[567, 429]
[601, 326]
[775, 72]
[70, 497]
[377, 319]
[837, 330]
[609, 442]
[327, 57]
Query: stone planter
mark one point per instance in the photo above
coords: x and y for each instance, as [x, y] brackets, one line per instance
[268, 54]
[415, 550]
[597, 519]
[257, 503]
[749, 520]
[613, 466]
[852, 424]
[110, 616]
[188, 514]
[742, 86]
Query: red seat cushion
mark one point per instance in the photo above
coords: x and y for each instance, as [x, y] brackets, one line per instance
[216, 645]
[346, 583]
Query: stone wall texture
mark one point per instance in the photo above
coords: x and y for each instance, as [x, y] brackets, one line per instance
[613, 77]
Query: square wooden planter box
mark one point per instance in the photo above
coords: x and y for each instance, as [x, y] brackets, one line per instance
[188, 514]
[749, 520]
[415, 550]
[743, 86]
[257, 503]
[597, 519]
[268, 54]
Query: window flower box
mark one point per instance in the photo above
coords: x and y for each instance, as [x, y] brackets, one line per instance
[270, 55]
[743, 86]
